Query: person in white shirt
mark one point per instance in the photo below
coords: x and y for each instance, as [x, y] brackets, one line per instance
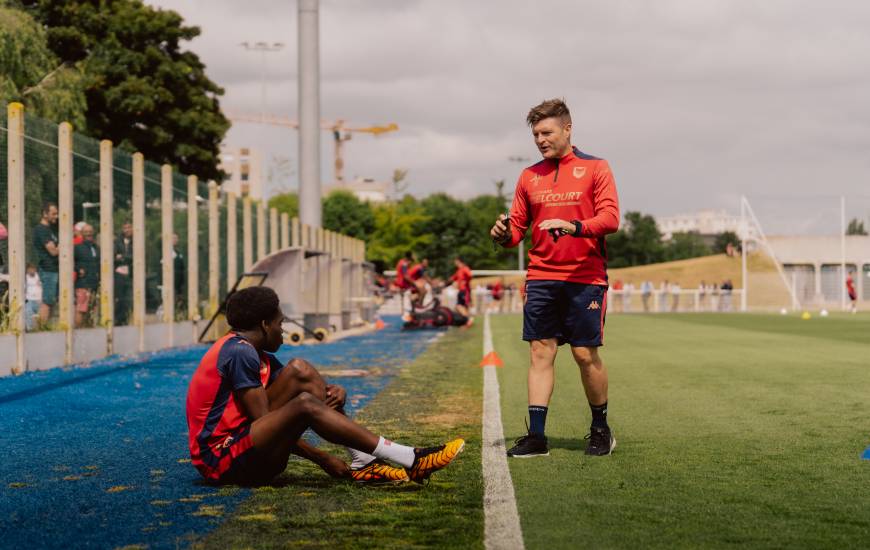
[32, 296]
[675, 292]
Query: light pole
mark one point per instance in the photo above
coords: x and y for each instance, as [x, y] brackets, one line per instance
[262, 47]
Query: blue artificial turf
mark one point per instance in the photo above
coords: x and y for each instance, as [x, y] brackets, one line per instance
[97, 457]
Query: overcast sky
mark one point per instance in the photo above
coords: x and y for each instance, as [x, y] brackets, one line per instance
[693, 102]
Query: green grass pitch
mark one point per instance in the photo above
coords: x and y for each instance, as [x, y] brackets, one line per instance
[732, 430]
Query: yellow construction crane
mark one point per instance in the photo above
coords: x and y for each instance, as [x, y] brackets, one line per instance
[340, 132]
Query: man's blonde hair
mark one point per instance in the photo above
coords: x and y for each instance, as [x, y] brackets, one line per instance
[551, 108]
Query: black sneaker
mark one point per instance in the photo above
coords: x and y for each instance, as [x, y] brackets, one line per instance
[601, 442]
[529, 445]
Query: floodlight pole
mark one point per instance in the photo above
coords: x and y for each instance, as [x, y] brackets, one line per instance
[743, 270]
[843, 253]
[310, 212]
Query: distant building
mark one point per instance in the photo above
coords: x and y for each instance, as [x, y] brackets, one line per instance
[365, 189]
[708, 223]
[814, 265]
[244, 169]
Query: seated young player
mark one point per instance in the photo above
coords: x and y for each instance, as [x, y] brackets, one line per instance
[246, 412]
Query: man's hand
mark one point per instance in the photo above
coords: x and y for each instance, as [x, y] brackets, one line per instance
[555, 224]
[500, 232]
[335, 396]
[334, 466]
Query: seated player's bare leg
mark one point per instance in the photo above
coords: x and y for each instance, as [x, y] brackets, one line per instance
[297, 377]
[541, 371]
[593, 373]
[275, 434]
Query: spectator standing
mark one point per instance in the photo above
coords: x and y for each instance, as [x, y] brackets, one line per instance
[32, 296]
[462, 278]
[646, 290]
[664, 293]
[87, 268]
[123, 270]
[727, 288]
[627, 292]
[179, 270]
[620, 297]
[675, 295]
[45, 242]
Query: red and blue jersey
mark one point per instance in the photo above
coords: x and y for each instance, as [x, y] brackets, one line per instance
[576, 187]
[215, 418]
[417, 272]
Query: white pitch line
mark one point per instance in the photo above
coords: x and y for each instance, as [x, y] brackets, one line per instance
[501, 529]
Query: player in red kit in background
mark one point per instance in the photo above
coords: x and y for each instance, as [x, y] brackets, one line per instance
[850, 289]
[569, 202]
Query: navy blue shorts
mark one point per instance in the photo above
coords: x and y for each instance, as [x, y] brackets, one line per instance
[462, 298]
[573, 313]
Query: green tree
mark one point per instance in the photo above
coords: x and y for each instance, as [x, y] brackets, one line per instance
[344, 213]
[286, 202]
[638, 242]
[686, 244]
[856, 227]
[32, 74]
[396, 232]
[724, 239]
[452, 230]
[143, 91]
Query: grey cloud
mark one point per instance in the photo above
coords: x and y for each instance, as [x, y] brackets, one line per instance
[693, 102]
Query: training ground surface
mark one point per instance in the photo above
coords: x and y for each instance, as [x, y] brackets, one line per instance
[732, 430]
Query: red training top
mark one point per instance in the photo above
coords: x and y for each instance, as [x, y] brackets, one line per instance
[850, 285]
[462, 276]
[417, 272]
[576, 187]
[213, 414]
[402, 270]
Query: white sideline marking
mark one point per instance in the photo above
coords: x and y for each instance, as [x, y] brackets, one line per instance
[501, 522]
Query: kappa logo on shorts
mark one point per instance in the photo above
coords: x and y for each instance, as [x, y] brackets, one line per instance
[594, 305]
[227, 442]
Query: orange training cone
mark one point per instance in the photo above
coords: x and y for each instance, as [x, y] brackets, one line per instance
[379, 324]
[492, 359]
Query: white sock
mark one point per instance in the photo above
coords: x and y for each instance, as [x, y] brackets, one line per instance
[360, 458]
[400, 454]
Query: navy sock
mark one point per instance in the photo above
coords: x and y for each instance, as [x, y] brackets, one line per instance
[599, 415]
[537, 419]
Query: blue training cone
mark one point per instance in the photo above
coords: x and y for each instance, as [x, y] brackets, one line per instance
[866, 454]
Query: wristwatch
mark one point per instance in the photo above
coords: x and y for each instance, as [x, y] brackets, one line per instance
[578, 227]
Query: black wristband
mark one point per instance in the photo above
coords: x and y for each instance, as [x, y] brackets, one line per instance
[578, 227]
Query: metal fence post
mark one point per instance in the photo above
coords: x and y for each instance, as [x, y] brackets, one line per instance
[65, 229]
[139, 247]
[232, 241]
[214, 267]
[192, 248]
[166, 231]
[107, 243]
[15, 173]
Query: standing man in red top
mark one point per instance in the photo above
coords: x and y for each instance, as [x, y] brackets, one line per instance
[402, 266]
[462, 278]
[569, 201]
[850, 289]
[246, 412]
